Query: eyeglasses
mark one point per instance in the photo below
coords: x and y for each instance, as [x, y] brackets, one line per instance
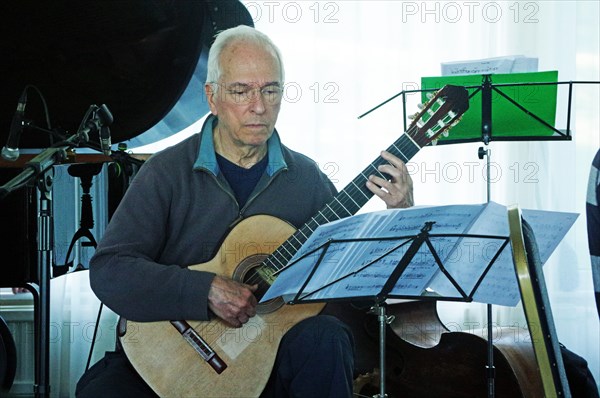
[244, 94]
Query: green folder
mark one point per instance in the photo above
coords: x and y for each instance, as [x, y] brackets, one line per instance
[534, 119]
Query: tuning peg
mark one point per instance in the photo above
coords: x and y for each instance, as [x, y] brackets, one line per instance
[420, 106]
[445, 133]
[434, 142]
[430, 95]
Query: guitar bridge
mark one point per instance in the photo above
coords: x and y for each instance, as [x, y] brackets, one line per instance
[200, 346]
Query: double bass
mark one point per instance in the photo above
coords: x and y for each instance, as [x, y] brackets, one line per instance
[426, 359]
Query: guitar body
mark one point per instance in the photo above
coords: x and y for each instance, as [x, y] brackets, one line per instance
[171, 367]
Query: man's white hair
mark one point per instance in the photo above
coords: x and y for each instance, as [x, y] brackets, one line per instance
[229, 36]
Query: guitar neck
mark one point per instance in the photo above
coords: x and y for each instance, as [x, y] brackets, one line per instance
[346, 203]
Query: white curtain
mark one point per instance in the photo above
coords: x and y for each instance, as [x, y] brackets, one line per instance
[73, 327]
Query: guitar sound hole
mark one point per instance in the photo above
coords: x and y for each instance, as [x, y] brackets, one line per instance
[247, 272]
[251, 278]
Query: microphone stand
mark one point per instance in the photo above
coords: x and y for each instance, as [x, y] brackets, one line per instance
[38, 168]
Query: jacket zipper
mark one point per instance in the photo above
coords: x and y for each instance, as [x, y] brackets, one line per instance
[240, 216]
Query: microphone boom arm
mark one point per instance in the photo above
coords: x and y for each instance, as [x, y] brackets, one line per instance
[42, 162]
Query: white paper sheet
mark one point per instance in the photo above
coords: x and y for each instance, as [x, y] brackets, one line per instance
[355, 256]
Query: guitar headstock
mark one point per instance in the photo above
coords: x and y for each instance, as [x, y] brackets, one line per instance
[439, 114]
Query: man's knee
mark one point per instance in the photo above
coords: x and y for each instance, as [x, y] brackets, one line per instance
[323, 329]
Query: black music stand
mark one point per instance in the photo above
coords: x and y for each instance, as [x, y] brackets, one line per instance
[491, 90]
[521, 93]
[510, 96]
[412, 244]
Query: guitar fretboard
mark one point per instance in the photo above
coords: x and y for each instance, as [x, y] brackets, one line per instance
[346, 203]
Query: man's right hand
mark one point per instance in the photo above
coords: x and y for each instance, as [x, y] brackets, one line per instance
[232, 301]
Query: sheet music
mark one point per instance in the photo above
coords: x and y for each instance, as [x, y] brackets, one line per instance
[507, 64]
[474, 254]
[500, 284]
[343, 259]
[361, 267]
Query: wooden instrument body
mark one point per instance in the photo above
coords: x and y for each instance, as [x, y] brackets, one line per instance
[171, 366]
[424, 359]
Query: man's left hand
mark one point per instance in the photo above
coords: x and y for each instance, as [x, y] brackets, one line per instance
[397, 192]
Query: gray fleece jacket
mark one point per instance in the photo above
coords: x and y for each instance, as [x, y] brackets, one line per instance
[176, 212]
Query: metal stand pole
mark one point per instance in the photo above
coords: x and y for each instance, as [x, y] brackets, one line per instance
[45, 245]
[384, 320]
[382, 325]
[491, 371]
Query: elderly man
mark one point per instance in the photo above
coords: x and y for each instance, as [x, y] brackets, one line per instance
[185, 200]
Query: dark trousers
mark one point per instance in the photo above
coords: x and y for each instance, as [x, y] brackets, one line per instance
[315, 359]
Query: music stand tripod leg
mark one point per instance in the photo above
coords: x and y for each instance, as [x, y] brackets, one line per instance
[379, 307]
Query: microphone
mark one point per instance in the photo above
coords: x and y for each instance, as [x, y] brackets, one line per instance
[105, 142]
[90, 126]
[10, 152]
[101, 119]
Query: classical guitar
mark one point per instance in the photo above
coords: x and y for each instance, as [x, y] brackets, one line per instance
[193, 358]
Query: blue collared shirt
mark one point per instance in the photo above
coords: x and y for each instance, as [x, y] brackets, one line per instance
[207, 159]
